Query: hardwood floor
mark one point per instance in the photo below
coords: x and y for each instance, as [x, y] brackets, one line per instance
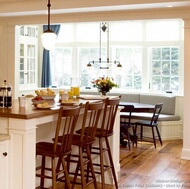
[146, 167]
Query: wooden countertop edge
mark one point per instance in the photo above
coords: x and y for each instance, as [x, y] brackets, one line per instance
[30, 116]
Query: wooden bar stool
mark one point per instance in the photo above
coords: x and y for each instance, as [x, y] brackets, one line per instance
[102, 134]
[83, 174]
[58, 151]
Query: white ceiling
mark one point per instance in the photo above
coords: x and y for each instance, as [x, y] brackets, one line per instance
[17, 10]
[126, 7]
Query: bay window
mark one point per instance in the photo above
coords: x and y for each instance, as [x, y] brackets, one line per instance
[150, 52]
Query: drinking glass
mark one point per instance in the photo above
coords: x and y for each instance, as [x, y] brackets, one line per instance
[75, 86]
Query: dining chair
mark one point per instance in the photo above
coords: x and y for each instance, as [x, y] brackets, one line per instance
[83, 174]
[103, 133]
[125, 125]
[153, 124]
[57, 151]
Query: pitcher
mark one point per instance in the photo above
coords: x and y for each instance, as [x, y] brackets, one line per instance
[75, 86]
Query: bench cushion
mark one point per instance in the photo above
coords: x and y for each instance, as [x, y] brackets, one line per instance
[162, 117]
[168, 106]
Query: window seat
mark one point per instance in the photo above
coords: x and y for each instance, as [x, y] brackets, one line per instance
[147, 116]
[170, 123]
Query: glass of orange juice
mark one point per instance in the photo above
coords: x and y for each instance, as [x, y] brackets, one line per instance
[75, 86]
[70, 93]
[76, 91]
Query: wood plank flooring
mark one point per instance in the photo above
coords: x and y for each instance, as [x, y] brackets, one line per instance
[146, 167]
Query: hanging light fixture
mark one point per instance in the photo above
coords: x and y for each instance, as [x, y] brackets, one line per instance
[104, 64]
[48, 37]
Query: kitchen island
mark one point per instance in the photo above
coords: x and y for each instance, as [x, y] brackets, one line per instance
[26, 126]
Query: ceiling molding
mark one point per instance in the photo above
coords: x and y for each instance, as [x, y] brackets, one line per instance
[26, 8]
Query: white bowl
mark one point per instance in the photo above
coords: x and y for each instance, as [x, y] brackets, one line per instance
[48, 97]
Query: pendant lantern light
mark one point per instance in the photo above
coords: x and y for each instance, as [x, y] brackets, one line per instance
[48, 37]
[104, 64]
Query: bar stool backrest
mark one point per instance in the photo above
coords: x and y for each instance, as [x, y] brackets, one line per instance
[67, 120]
[108, 119]
[91, 118]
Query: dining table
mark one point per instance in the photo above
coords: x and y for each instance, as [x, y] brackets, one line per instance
[30, 124]
[138, 107]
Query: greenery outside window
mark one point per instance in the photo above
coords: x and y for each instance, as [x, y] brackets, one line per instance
[165, 69]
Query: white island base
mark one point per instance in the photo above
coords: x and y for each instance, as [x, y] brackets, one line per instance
[24, 133]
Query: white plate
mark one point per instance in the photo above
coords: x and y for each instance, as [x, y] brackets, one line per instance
[92, 97]
[68, 103]
[44, 108]
[48, 97]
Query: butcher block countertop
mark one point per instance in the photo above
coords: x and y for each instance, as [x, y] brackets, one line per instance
[30, 112]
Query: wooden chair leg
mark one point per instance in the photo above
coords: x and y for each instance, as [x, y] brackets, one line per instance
[158, 133]
[90, 164]
[135, 134]
[141, 133]
[58, 165]
[67, 180]
[112, 164]
[53, 173]
[102, 163]
[42, 171]
[79, 167]
[153, 135]
[128, 138]
[75, 176]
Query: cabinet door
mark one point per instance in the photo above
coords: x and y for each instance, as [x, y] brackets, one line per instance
[4, 165]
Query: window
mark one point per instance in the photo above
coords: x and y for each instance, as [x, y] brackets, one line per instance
[28, 56]
[61, 66]
[165, 69]
[149, 52]
[131, 72]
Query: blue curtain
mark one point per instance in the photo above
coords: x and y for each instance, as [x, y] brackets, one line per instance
[46, 67]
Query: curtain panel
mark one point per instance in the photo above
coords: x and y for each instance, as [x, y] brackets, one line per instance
[46, 65]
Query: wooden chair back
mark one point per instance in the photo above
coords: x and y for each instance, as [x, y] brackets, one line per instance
[66, 123]
[92, 113]
[108, 119]
[156, 113]
[127, 117]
